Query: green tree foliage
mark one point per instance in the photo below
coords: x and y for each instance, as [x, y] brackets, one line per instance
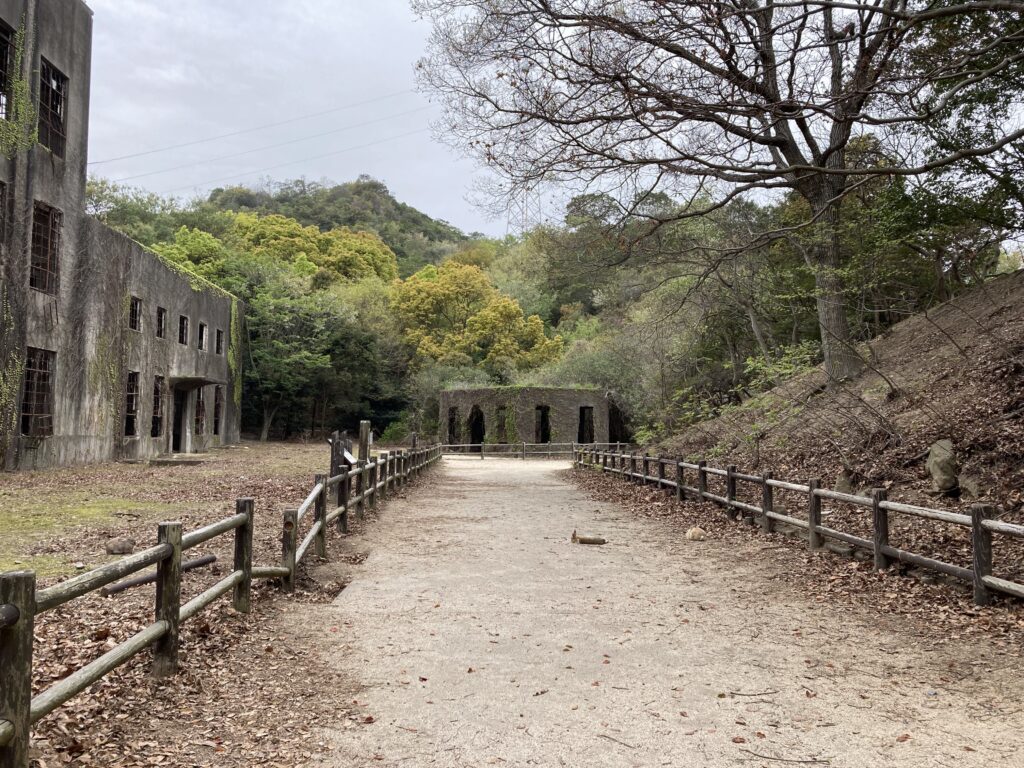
[453, 315]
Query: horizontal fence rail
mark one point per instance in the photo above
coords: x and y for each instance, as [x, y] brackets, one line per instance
[672, 475]
[523, 450]
[353, 484]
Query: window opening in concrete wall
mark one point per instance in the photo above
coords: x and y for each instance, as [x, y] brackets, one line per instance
[218, 408]
[135, 314]
[6, 63]
[161, 323]
[502, 419]
[454, 426]
[182, 329]
[202, 337]
[200, 426]
[53, 101]
[37, 403]
[157, 429]
[477, 428]
[585, 434]
[219, 348]
[542, 424]
[131, 405]
[46, 227]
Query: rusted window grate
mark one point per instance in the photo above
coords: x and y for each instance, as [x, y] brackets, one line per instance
[53, 97]
[218, 408]
[182, 329]
[37, 403]
[46, 227]
[135, 314]
[131, 405]
[161, 323]
[6, 66]
[200, 412]
[220, 342]
[202, 337]
[157, 429]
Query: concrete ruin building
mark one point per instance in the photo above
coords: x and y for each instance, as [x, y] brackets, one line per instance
[509, 415]
[106, 350]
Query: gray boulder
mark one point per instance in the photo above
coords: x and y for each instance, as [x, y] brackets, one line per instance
[970, 486]
[120, 546]
[942, 466]
[844, 483]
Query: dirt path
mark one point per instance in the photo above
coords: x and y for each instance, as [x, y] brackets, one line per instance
[477, 634]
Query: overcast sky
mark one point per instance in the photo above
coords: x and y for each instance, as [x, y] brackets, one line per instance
[168, 73]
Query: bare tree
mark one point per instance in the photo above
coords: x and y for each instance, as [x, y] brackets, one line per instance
[711, 99]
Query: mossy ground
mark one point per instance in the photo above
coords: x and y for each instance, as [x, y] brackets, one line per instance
[50, 520]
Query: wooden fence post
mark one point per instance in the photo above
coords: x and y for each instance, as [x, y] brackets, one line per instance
[702, 479]
[242, 597]
[168, 601]
[767, 503]
[364, 440]
[524, 450]
[337, 451]
[320, 516]
[814, 539]
[661, 473]
[647, 468]
[18, 603]
[981, 539]
[730, 492]
[289, 545]
[385, 472]
[344, 494]
[374, 469]
[880, 520]
[361, 489]
[680, 481]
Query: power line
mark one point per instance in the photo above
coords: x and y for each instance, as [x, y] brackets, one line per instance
[252, 129]
[294, 162]
[272, 146]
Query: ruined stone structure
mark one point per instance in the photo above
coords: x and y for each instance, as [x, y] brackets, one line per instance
[498, 415]
[106, 351]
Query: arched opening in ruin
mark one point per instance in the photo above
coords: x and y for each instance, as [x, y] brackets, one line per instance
[542, 424]
[477, 429]
[585, 433]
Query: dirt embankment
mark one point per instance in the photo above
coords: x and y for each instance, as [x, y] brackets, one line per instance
[956, 373]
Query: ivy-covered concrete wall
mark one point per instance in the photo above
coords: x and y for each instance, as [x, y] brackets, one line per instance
[519, 408]
[85, 320]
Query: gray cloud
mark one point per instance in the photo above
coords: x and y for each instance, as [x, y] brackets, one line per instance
[168, 73]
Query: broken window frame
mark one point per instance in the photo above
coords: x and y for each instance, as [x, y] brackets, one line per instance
[203, 333]
[200, 419]
[183, 329]
[159, 404]
[135, 313]
[53, 108]
[7, 43]
[36, 417]
[161, 323]
[132, 391]
[47, 223]
[219, 342]
[218, 409]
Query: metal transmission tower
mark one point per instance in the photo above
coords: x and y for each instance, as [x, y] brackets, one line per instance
[524, 212]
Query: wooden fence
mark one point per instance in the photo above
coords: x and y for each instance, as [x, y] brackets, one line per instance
[352, 484]
[671, 475]
[523, 450]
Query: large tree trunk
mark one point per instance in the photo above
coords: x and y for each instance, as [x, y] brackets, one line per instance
[268, 418]
[841, 358]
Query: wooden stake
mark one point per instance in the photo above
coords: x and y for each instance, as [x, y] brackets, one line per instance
[242, 598]
[18, 591]
[981, 539]
[880, 519]
[168, 601]
[814, 540]
[289, 545]
[320, 516]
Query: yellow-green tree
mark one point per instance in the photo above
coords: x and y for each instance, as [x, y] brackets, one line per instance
[453, 314]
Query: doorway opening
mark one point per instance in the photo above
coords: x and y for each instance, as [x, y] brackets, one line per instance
[454, 427]
[585, 433]
[477, 429]
[542, 424]
[178, 421]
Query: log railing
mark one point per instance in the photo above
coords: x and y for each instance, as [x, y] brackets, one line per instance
[348, 487]
[672, 476]
[523, 450]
